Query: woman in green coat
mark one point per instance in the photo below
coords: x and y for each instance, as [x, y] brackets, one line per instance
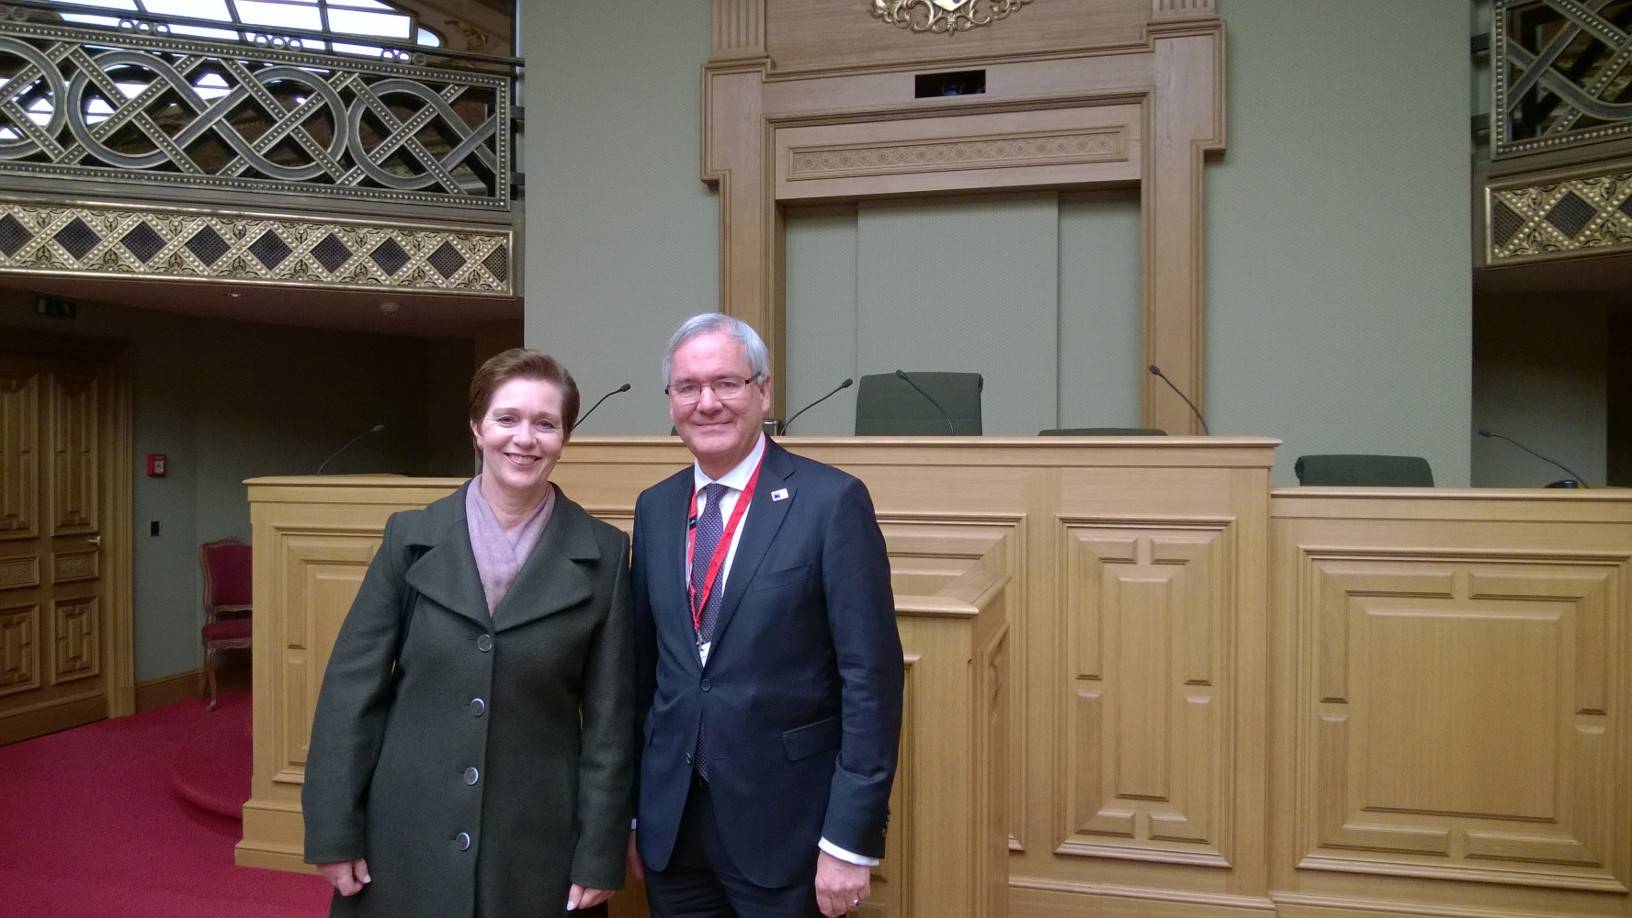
[472, 752]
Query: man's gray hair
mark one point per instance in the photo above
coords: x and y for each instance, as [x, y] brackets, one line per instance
[759, 360]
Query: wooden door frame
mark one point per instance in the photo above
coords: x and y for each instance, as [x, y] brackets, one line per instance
[1145, 112]
[117, 428]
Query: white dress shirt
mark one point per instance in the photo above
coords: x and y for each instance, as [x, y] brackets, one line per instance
[736, 481]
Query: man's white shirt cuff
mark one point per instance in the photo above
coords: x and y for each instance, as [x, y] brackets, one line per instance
[847, 856]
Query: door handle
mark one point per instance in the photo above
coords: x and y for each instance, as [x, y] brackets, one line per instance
[94, 540]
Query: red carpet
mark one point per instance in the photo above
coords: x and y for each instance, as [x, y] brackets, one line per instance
[91, 823]
[211, 771]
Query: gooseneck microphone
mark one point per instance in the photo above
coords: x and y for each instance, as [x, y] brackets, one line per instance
[783, 427]
[1574, 481]
[585, 416]
[377, 428]
[902, 375]
[1156, 371]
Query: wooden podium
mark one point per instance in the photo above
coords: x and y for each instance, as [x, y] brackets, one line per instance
[1141, 682]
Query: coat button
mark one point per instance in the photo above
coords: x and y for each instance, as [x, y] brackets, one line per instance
[472, 775]
[462, 840]
[707, 685]
[478, 707]
[485, 643]
[688, 758]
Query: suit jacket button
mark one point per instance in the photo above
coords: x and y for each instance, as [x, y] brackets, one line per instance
[478, 707]
[707, 685]
[688, 758]
[484, 643]
[472, 775]
[462, 840]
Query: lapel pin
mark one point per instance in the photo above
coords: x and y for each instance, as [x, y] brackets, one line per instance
[779, 494]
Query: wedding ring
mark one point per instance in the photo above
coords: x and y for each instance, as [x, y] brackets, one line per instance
[855, 903]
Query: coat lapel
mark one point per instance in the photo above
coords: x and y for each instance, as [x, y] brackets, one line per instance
[446, 572]
[551, 579]
[765, 517]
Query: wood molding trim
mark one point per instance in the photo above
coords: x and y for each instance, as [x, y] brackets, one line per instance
[1057, 113]
[166, 690]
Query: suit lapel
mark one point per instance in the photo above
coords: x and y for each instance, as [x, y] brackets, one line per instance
[446, 572]
[765, 516]
[667, 570]
[551, 579]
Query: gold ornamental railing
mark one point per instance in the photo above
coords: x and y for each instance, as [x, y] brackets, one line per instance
[1559, 180]
[137, 150]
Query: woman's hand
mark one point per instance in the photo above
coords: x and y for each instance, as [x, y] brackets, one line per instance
[347, 877]
[586, 897]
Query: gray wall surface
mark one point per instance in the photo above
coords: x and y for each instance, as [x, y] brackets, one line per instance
[1338, 232]
[227, 401]
[622, 240]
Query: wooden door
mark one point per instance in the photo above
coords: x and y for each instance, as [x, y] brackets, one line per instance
[54, 634]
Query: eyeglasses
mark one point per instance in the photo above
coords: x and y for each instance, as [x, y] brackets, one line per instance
[726, 389]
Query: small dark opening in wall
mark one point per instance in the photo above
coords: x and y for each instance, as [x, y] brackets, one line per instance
[955, 83]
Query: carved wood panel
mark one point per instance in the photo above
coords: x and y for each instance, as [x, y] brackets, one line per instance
[74, 454]
[1459, 719]
[1148, 615]
[321, 572]
[928, 552]
[77, 632]
[69, 566]
[19, 649]
[19, 458]
[17, 573]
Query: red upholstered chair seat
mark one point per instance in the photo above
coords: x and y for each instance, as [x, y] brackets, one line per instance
[227, 629]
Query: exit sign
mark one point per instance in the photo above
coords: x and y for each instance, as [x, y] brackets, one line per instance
[55, 308]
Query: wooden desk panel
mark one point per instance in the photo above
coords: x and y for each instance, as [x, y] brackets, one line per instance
[1451, 701]
[1139, 682]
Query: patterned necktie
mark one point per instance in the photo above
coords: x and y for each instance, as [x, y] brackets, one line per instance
[709, 529]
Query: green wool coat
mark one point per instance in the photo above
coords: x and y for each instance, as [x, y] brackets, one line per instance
[497, 769]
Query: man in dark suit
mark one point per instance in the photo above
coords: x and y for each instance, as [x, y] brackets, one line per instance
[767, 650]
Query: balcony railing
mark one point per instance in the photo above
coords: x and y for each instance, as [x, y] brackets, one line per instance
[1558, 184]
[140, 105]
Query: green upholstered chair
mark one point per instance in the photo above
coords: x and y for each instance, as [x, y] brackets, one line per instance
[1365, 470]
[1102, 432]
[887, 406]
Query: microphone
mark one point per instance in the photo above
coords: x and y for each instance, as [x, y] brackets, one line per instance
[377, 428]
[585, 416]
[902, 375]
[1574, 481]
[783, 427]
[1157, 372]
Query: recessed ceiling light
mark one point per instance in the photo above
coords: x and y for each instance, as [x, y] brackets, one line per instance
[390, 307]
[235, 295]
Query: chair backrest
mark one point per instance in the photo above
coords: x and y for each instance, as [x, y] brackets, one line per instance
[886, 405]
[1102, 432]
[1364, 469]
[227, 582]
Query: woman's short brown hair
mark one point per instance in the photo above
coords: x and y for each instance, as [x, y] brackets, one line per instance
[522, 363]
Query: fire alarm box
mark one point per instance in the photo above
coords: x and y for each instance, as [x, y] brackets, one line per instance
[156, 463]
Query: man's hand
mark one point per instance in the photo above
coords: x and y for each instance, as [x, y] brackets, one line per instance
[840, 885]
[636, 868]
[586, 897]
[347, 877]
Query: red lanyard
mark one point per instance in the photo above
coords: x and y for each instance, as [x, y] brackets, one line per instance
[720, 550]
